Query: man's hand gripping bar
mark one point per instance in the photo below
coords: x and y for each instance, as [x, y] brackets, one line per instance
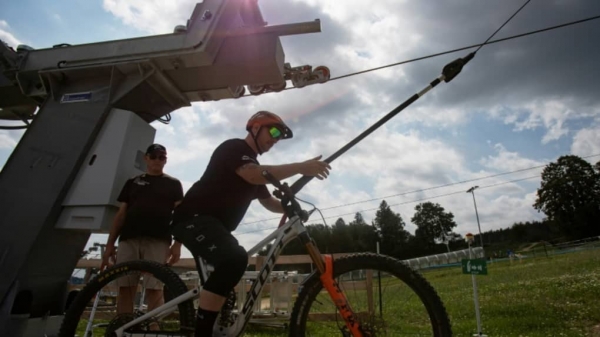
[286, 195]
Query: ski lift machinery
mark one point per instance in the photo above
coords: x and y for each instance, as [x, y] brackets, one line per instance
[119, 87]
[87, 110]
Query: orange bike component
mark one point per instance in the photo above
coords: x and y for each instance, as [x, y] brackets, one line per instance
[339, 299]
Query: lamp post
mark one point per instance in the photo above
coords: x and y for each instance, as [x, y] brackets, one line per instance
[472, 191]
[447, 241]
[378, 237]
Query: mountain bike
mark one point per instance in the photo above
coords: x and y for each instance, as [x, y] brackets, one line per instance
[363, 294]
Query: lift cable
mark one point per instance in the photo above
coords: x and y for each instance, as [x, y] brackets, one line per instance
[504, 24]
[432, 197]
[413, 191]
[479, 46]
[464, 48]
[423, 189]
[397, 204]
[449, 72]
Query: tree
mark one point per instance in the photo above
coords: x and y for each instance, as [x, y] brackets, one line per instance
[341, 241]
[433, 223]
[358, 219]
[518, 232]
[569, 195]
[321, 235]
[391, 227]
[363, 236]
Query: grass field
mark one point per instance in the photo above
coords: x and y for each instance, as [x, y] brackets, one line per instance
[556, 296]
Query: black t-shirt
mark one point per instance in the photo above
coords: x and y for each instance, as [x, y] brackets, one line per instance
[150, 202]
[221, 192]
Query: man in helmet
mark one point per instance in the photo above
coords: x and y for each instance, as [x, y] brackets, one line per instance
[214, 206]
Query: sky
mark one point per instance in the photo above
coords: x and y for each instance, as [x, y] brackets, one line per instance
[517, 106]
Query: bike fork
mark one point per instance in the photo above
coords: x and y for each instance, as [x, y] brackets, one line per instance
[89, 326]
[332, 287]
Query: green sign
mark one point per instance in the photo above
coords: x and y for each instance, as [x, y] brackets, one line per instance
[474, 266]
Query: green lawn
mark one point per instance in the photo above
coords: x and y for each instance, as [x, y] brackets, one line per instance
[556, 296]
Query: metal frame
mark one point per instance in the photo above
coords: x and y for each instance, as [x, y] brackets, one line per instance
[282, 236]
[76, 88]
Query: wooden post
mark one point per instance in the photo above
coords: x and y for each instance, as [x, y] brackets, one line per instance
[369, 285]
[260, 261]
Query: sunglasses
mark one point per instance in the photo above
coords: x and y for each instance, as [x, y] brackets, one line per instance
[154, 157]
[275, 132]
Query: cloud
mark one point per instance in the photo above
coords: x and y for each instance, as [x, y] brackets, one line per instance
[154, 17]
[7, 36]
[56, 17]
[506, 161]
[552, 115]
[586, 142]
[9, 139]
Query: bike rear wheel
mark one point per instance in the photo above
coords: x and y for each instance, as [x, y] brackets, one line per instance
[94, 310]
[387, 297]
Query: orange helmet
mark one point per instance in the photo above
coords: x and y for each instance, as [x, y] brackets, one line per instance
[266, 118]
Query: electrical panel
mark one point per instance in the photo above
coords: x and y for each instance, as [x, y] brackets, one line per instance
[117, 155]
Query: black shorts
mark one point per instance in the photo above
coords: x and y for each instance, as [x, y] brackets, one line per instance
[206, 237]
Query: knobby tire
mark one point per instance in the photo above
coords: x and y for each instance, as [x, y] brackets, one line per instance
[161, 272]
[312, 287]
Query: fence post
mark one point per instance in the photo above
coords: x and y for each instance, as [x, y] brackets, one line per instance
[470, 238]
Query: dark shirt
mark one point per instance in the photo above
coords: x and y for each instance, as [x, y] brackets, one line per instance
[150, 202]
[221, 192]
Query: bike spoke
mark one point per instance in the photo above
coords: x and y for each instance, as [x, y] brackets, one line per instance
[135, 300]
[123, 294]
[386, 297]
[389, 309]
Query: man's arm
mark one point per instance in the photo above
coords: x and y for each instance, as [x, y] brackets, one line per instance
[115, 231]
[174, 253]
[271, 204]
[175, 250]
[252, 173]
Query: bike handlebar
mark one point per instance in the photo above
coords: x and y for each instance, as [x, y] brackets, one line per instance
[284, 193]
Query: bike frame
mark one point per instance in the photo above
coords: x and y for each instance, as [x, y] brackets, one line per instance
[280, 238]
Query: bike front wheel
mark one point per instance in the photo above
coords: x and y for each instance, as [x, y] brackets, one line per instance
[387, 297]
[140, 286]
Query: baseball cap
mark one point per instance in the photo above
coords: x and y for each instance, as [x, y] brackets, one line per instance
[156, 148]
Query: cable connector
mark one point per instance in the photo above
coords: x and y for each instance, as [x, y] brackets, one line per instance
[454, 68]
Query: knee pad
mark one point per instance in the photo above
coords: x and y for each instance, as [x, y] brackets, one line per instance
[238, 262]
[228, 272]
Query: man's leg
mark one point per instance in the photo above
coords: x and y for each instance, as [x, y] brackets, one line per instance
[226, 275]
[127, 251]
[210, 301]
[157, 251]
[208, 238]
[154, 298]
[125, 299]
[209, 306]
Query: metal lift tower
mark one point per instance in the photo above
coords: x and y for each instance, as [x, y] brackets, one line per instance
[87, 110]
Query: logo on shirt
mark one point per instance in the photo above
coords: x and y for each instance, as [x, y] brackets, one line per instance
[247, 158]
[139, 181]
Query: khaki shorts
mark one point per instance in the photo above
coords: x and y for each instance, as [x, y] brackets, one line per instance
[142, 249]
